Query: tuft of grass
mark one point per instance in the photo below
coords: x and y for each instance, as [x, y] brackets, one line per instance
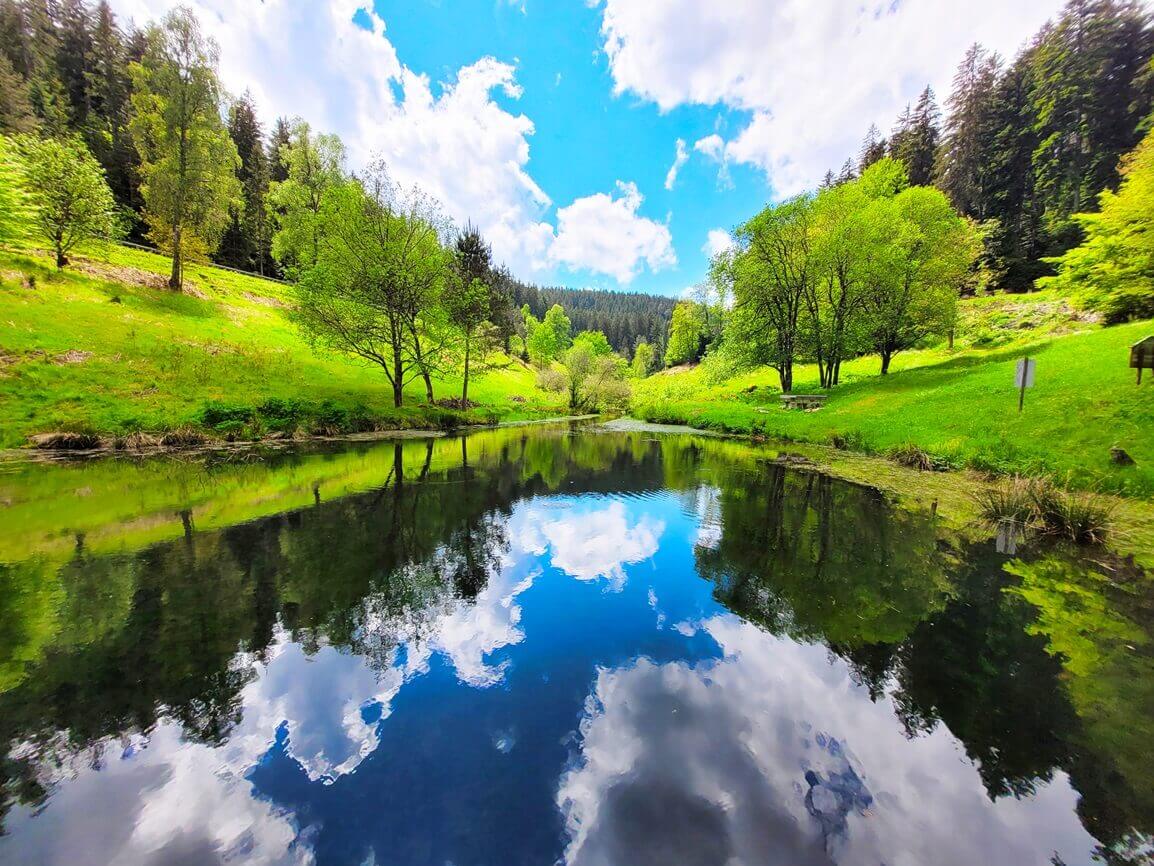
[66, 440]
[1080, 516]
[1012, 500]
[1038, 503]
[918, 458]
[183, 437]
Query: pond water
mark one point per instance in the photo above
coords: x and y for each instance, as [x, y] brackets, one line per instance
[551, 645]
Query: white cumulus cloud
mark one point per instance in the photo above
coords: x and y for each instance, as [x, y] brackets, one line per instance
[717, 241]
[451, 138]
[606, 234]
[813, 75]
[589, 545]
[705, 763]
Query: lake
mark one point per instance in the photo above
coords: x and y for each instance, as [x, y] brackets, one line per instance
[552, 644]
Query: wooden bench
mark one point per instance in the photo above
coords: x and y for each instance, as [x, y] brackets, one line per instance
[803, 401]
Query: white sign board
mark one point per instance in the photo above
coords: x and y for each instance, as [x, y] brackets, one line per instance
[1024, 375]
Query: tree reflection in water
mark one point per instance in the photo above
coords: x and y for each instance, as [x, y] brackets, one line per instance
[388, 650]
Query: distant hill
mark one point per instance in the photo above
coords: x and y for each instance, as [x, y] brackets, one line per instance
[624, 317]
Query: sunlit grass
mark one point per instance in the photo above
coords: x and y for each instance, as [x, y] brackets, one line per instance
[104, 346]
[959, 406]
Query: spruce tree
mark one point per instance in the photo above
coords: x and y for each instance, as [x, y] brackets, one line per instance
[245, 241]
[873, 148]
[963, 163]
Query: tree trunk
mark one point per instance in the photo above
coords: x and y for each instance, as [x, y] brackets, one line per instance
[428, 387]
[398, 377]
[176, 281]
[61, 259]
[886, 357]
[951, 339]
[786, 376]
[465, 384]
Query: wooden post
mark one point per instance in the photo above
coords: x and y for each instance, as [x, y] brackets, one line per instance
[1022, 389]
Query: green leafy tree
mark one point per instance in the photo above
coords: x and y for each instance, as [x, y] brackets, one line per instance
[14, 211]
[380, 263]
[595, 341]
[644, 358]
[849, 233]
[1112, 270]
[314, 165]
[772, 273]
[591, 381]
[686, 342]
[916, 277]
[549, 339]
[69, 193]
[468, 300]
[189, 162]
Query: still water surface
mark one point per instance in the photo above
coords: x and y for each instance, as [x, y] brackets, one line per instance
[544, 645]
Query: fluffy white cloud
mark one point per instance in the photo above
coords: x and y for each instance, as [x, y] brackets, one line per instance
[713, 146]
[680, 157]
[460, 145]
[607, 235]
[717, 241]
[814, 75]
[593, 544]
[706, 763]
[155, 800]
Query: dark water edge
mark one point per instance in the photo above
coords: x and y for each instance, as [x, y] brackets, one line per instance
[551, 644]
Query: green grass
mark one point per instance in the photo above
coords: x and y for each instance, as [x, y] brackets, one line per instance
[104, 346]
[960, 406]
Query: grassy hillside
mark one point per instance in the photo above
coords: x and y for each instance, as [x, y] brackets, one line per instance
[104, 346]
[960, 405]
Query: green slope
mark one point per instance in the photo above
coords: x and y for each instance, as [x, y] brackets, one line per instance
[103, 345]
[960, 406]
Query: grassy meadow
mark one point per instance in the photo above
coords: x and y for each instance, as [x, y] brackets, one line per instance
[104, 346]
[959, 405]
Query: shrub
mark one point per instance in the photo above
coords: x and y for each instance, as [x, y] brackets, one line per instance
[917, 458]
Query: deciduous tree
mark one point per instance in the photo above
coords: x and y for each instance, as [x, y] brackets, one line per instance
[70, 198]
[188, 160]
[380, 262]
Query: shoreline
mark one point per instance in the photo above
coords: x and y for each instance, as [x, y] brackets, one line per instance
[109, 447]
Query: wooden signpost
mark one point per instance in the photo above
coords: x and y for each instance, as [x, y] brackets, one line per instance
[1024, 378]
[1142, 356]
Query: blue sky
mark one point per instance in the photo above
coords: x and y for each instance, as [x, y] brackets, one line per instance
[587, 138]
[554, 124]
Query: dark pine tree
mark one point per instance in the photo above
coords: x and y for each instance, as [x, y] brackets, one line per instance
[873, 148]
[281, 138]
[246, 239]
[964, 160]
